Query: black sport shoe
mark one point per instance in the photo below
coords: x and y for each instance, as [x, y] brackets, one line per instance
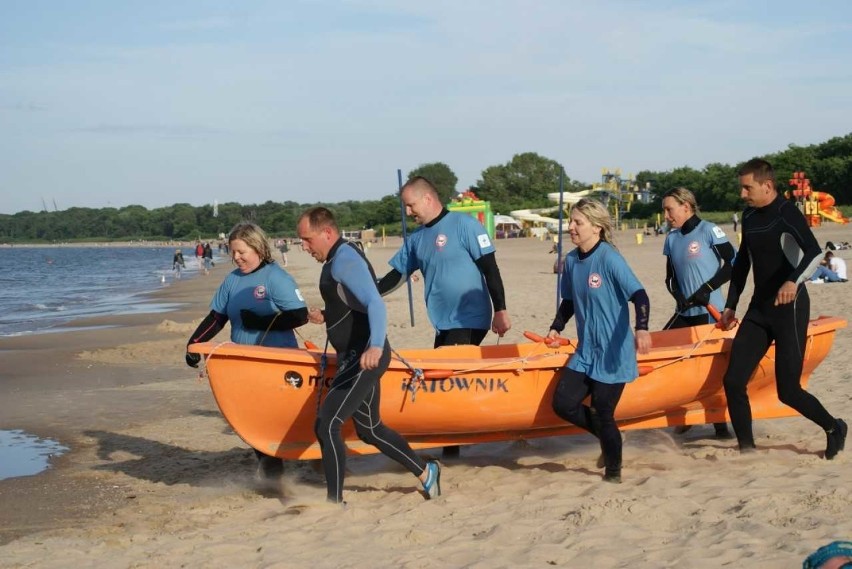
[835, 439]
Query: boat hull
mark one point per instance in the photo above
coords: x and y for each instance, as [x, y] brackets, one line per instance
[476, 394]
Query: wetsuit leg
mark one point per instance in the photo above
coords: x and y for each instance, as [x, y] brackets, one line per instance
[370, 429]
[457, 337]
[790, 327]
[460, 337]
[605, 398]
[568, 397]
[356, 390]
[679, 321]
[749, 347]
[599, 419]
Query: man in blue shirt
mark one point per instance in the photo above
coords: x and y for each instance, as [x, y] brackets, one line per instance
[456, 257]
[462, 281]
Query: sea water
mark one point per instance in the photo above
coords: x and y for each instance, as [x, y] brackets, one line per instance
[43, 287]
[23, 454]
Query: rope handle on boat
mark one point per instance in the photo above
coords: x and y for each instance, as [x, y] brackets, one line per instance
[551, 342]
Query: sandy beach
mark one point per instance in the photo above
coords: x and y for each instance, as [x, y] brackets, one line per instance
[156, 478]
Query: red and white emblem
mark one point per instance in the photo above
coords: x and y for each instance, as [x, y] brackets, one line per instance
[595, 280]
[693, 248]
[440, 241]
[260, 292]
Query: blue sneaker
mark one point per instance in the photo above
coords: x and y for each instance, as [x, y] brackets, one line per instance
[432, 486]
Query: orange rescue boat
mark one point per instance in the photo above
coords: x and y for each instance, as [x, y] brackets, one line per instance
[457, 395]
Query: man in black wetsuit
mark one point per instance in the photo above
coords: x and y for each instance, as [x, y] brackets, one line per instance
[356, 323]
[780, 246]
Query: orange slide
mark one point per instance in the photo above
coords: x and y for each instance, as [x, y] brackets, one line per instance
[827, 208]
[457, 395]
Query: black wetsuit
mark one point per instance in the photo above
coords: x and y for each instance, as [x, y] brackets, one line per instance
[780, 246]
[355, 321]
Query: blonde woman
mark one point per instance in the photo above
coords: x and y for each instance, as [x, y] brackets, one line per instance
[597, 283]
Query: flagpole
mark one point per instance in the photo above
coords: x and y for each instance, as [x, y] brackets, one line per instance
[559, 238]
[404, 239]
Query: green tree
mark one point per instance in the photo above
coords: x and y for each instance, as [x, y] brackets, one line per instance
[441, 176]
[523, 182]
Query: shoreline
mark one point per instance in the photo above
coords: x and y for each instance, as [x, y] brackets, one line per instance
[155, 477]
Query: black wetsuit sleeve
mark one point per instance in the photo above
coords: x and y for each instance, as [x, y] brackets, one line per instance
[488, 267]
[563, 315]
[390, 282]
[643, 308]
[209, 327]
[725, 253]
[672, 286]
[281, 321]
[739, 274]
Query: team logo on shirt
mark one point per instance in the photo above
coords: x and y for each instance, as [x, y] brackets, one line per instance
[595, 280]
[693, 248]
[440, 241]
[260, 292]
[483, 240]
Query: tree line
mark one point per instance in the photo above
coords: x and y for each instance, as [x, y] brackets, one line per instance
[521, 183]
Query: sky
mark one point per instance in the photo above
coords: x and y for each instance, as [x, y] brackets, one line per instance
[114, 103]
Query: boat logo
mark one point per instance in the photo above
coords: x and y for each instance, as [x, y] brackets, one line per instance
[441, 240]
[693, 248]
[294, 378]
[260, 291]
[595, 280]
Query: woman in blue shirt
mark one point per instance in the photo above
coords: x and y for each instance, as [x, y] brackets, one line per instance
[596, 285]
[262, 302]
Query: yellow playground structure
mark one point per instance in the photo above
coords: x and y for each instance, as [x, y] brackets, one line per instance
[814, 204]
[618, 193]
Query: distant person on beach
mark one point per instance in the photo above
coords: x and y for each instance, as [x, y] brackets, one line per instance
[735, 218]
[780, 246]
[283, 248]
[832, 269]
[261, 301]
[199, 252]
[207, 256]
[178, 263]
[596, 285]
[457, 260]
[699, 260]
[356, 324]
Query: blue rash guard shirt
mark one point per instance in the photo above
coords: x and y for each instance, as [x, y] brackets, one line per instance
[265, 291]
[600, 286]
[695, 261]
[456, 293]
[355, 314]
